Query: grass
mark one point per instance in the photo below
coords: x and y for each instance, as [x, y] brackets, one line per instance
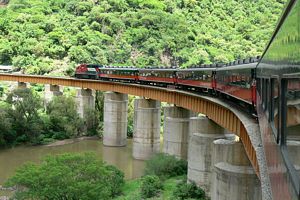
[131, 190]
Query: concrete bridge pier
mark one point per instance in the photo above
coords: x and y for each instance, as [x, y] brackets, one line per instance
[85, 99]
[176, 131]
[51, 91]
[233, 176]
[21, 85]
[146, 134]
[203, 132]
[115, 119]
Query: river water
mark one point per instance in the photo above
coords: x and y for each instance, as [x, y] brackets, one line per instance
[121, 157]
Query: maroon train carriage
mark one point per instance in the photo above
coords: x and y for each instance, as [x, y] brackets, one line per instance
[157, 76]
[87, 71]
[238, 81]
[128, 74]
[197, 78]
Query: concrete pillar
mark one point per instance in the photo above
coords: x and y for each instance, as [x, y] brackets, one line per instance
[176, 131]
[21, 85]
[115, 119]
[204, 132]
[85, 99]
[233, 176]
[146, 134]
[230, 151]
[50, 91]
[234, 182]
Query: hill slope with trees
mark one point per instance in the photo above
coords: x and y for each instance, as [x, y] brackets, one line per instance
[44, 36]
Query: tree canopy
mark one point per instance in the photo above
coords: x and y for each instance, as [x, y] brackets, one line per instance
[45, 36]
[68, 177]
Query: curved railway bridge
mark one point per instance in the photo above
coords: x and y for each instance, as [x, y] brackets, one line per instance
[224, 113]
[272, 145]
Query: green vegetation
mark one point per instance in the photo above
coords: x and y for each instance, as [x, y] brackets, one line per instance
[63, 118]
[23, 119]
[150, 186]
[165, 179]
[67, 176]
[165, 166]
[83, 176]
[186, 190]
[52, 36]
[172, 190]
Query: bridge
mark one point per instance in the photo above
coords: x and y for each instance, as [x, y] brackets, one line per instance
[221, 112]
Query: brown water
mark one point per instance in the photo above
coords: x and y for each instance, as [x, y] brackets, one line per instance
[120, 157]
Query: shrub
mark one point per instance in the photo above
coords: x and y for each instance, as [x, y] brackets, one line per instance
[67, 176]
[186, 190]
[151, 186]
[165, 166]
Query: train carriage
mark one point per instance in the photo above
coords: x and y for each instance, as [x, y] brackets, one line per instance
[198, 78]
[157, 76]
[238, 81]
[127, 74]
[278, 104]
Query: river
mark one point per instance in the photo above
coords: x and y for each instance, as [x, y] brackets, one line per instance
[121, 157]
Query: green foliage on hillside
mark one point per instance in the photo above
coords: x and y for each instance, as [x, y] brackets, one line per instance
[43, 36]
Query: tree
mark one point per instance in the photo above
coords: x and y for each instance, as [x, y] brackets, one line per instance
[64, 119]
[7, 135]
[25, 115]
[67, 177]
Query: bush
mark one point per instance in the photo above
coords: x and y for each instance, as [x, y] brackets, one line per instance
[165, 166]
[67, 176]
[186, 190]
[151, 186]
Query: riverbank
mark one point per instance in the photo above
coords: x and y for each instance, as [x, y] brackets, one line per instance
[71, 141]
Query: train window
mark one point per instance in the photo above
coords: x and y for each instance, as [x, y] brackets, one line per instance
[293, 109]
[290, 123]
[258, 83]
[263, 94]
[267, 95]
[274, 107]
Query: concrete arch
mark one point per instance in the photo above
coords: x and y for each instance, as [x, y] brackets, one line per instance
[220, 112]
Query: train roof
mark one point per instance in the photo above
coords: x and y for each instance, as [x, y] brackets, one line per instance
[196, 69]
[158, 69]
[129, 68]
[239, 66]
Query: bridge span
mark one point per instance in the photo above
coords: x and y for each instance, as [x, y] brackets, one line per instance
[221, 112]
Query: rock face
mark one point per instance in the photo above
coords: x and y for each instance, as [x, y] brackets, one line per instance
[4, 2]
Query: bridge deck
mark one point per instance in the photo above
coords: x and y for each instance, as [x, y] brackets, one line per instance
[223, 113]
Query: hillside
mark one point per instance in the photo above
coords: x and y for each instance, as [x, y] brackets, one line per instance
[45, 36]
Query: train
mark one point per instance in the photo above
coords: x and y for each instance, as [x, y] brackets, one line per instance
[268, 86]
[235, 80]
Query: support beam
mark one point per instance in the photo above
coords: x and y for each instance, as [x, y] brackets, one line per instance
[203, 132]
[51, 91]
[115, 119]
[233, 176]
[176, 131]
[85, 100]
[146, 136]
